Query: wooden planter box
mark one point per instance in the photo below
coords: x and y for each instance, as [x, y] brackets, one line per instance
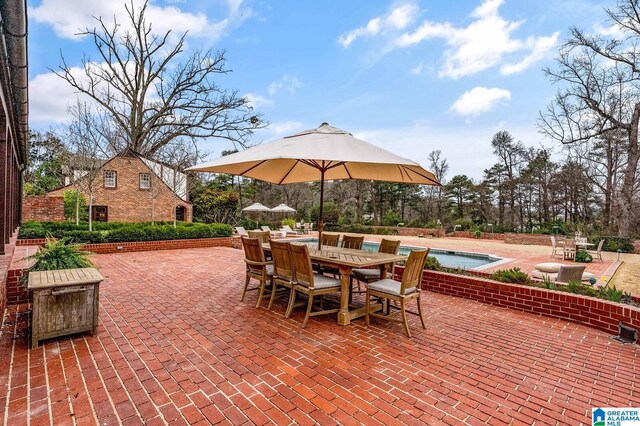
[64, 302]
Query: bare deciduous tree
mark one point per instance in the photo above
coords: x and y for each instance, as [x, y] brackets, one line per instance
[152, 98]
[600, 94]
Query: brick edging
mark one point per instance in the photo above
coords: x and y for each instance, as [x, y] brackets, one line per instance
[590, 311]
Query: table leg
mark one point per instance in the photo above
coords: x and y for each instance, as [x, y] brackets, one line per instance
[344, 317]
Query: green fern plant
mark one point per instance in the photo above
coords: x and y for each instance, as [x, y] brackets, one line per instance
[57, 254]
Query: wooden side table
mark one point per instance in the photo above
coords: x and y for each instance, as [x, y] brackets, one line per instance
[64, 302]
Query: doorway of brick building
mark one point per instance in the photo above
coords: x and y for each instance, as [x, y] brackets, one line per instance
[100, 214]
[180, 213]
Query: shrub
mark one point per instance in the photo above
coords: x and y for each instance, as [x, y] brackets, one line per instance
[582, 257]
[513, 276]
[57, 254]
[432, 264]
[416, 223]
[611, 293]
[577, 287]
[625, 245]
[477, 233]
[390, 218]
[70, 198]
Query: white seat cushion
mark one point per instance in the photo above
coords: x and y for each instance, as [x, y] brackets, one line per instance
[322, 281]
[388, 286]
[367, 273]
[548, 267]
[552, 276]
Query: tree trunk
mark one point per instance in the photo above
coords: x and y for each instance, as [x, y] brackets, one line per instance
[629, 179]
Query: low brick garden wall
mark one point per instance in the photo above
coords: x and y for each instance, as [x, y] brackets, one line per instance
[592, 312]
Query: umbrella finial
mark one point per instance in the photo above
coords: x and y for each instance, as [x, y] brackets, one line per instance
[324, 123]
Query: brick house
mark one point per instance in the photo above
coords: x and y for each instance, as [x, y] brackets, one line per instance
[131, 188]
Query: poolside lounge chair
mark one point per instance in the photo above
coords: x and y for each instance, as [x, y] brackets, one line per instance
[263, 236]
[407, 289]
[241, 231]
[271, 232]
[257, 267]
[309, 283]
[598, 250]
[288, 230]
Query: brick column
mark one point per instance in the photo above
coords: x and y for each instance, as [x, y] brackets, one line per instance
[3, 184]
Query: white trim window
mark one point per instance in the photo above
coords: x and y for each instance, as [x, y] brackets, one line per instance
[110, 178]
[145, 180]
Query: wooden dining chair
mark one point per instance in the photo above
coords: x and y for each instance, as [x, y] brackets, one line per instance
[403, 291]
[569, 249]
[263, 236]
[283, 274]
[257, 267]
[309, 283]
[370, 275]
[330, 239]
[352, 242]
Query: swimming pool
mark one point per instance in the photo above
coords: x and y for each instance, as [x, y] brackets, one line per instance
[448, 258]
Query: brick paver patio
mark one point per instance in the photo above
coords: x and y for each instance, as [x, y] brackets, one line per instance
[176, 346]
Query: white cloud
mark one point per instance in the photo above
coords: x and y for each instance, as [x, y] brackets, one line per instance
[479, 100]
[257, 101]
[398, 18]
[287, 83]
[418, 69]
[284, 127]
[50, 96]
[69, 17]
[613, 31]
[485, 42]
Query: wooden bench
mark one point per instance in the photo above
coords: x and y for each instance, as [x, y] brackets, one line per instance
[64, 302]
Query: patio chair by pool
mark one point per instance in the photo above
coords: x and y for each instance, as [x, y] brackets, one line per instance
[370, 275]
[598, 250]
[241, 231]
[288, 229]
[403, 291]
[309, 283]
[257, 267]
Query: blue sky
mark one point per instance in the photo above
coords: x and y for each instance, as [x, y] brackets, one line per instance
[410, 76]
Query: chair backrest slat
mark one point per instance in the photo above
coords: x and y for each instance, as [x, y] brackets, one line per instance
[389, 247]
[330, 239]
[253, 253]
[412, 275]
[570, 244]
[263, 236]
[282, 262]
[303, 272]
[352, 242]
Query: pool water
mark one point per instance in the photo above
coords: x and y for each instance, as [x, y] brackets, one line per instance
[447, 258]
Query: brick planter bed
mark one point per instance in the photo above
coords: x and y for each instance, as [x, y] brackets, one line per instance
[597, 313]
[126, 247]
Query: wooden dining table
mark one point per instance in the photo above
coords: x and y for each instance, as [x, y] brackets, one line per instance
[346, 260]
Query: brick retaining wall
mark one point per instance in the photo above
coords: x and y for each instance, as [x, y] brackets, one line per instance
[41, 208]
[105, 248]
[589, 311]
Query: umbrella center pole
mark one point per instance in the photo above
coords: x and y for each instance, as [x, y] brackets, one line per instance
[320, 218]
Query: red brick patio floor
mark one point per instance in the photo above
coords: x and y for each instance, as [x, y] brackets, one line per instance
[175, 345]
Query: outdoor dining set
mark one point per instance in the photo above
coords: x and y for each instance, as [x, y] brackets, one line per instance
[568, 247]
[334, 266]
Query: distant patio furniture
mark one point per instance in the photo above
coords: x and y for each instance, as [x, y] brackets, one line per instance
[288, 230]
[366, 275]
[306, 228]
[257, 268]
[271, 232]
[550, 271]
[311, 284]
[554, 246]
[598, 251]
[241, 231]
[403, 291]
[569, 249]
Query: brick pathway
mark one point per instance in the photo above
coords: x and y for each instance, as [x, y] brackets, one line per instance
[176, 346]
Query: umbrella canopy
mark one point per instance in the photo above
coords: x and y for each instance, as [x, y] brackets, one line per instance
[256, 207]
[320, 154]
[283, 208]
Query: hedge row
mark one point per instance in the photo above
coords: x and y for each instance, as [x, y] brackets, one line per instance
[123, 232]
[360, 229]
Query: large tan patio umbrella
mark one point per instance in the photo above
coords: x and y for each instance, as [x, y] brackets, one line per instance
[321, 154]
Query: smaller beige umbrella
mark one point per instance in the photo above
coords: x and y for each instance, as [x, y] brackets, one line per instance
[283, 208]
[256, 207]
